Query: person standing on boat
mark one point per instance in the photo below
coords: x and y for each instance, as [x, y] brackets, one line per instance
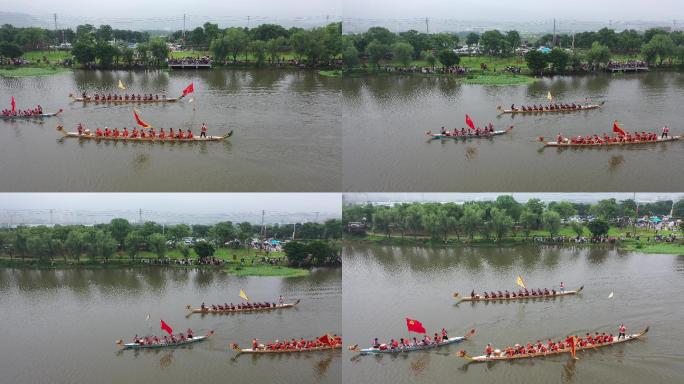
[666, 131]
[621, 331]
[203, 130]
[562, 287]
[280, 300]
[444, 334]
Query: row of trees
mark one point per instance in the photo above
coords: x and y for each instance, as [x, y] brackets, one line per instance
[629, 41]
[498, 218]
[104, 241]
[314, 253]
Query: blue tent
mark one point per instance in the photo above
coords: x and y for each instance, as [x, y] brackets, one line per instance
[544, 49]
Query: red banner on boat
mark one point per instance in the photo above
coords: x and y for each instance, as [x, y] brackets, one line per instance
[189, 89]
[617, 129]
[14, 104]
[166, 327]
[325, 339]
[415, 326]
[469, 122]
[140, 122]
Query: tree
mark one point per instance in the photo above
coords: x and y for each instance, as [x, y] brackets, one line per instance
[159, 50]
[529, 221]
[629, 41]
[552, 222]
[31, 38]
[179, 231]
[211, 31]
[494, 43]
[598, 227]
[219, 48]
[84, 52]
[350, 57]
[127, 54]
[441, 41]
[607, 209]
[598, 54]
[678, 209]
[267, 32]
[10, 50]
[275, 46]
[258, 50]
[558, 59]
[501, 223]
[132, 243]
[376, 52]
[296, 252]
[224, 232]
[413, 221]
[448, 57]
[430, 59]
[472, 38]
[119, 229]
[508, 204]
[536, 61]
[402, 52]
[104, 33]
[104, 245]
[197, 37]
[184, 250]
[236, 41]
[201, 230]
[417, 40]
[74, 244]
[320, 252]
[382, 35]
[577, 227]
[333, 229]
[143, 50]
[157, 243]
[513, 38]
[105, 52]
[300, 42]
[564, 208]
[660, 47]
[382, 221]
[471, 221]
[204, 250]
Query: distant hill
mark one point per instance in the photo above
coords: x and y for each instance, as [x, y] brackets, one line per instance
[22, 20]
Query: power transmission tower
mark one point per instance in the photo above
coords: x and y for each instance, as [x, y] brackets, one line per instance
[140, 216]
[261, 234]
[56, 35]
[184, 28]
[247, 22]
[51, 222]
[427, 25]
[554, 33]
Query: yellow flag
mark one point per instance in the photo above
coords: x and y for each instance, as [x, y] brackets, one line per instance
[121, 86]
[549, 96]
[244, 295]
[520, 282]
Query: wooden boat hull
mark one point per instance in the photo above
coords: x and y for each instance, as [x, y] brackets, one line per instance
[209, 310]
[483, 358]
[267, 351]
[449, 341]
[91, 136]
[41, 116]
[518, 298]
[195, 339]
[439, 136]
[571, 145]
[101, 101]
[582, 108]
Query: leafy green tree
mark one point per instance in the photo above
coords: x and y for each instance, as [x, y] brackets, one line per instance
[204, 250]
[333, 229]
[133, 241]
[300, 42]
[275, 46]
[266, 32]
[501, 223]
[376, 52]
[598, 227]
[119, 229]
[552, 222]
[39, 246]
[31, 38]
[211, 32]
[430, 59]
[536, 61]
[159, 50]
[402, 52]
[105, 53]
[513, 38]
[197, 37]
[529, 221]
[471, 221]
[258, 50]
[441, 41]
[577, 227]
[320, 252]
[382, 221]
[236, 40]
[448, 57]
[494, 43]
[678, 209]
[74, 244]
[104, 33]
[84, 52]
[382, 35]
[224, 232]
[219, 48]
[127, 54]
[179, 231]
[157, 243]
[598, 54]
[559, 59]
[607, 209]
[10, 50]
[472, 38]
[660, 47]
[508, 204]
[418, 41]
[143, 50]
[629, 41]
[296, 252]
[564, 208]
[350, 57]
[413, 220]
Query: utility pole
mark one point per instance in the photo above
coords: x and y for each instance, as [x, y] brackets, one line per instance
[140, 216]
[184, 28]
[573, 41]
[261, 234]
[427, 25]
[554, 33]
[56, 36]
[247, 22]
[294, 230]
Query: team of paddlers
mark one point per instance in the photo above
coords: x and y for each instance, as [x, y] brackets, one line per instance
[561, 345]
[521, 293]
[150, 133]
[301, 344]
[550, 107]
[240, 306]
[125, 97]
[403, 343]
[156, 340]
[38, 110]
[486, 131]
[627, 137]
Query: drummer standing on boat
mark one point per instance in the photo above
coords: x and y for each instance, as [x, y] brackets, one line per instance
[621, 331]
[562, 287]
[666, 131]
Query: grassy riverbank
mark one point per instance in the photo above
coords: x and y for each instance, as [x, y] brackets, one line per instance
[627, 241]
[239, 262]
[26, 71]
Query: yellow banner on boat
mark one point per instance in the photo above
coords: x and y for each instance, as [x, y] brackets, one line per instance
[549, 96]
[520, 282]
[244, 295]
[121, 86]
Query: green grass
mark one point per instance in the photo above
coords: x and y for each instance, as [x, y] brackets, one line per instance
[659, 248]
[335, 73]
[499, 78]
[52, 56]
[25, 71]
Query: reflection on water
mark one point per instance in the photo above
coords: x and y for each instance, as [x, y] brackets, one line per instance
[384, 285]
[391, 112]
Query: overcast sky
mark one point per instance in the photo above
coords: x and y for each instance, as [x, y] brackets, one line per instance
[90, 208]
[520, 197]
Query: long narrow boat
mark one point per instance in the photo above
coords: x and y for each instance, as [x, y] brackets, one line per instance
[129, 101]
[616, 144]
[87, 135]
[549, 296]
[236, 310]
[439, 136]
[500, 356]
[258, 351]
[547, 110]
[451, 340]
[195, 339]
[38, 116]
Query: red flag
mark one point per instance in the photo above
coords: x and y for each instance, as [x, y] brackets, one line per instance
[140, 122]
[617, 129]
[469, 122]
[166, 327]
[14, 104]
[325, 339]
[415, 326]
[189, 89]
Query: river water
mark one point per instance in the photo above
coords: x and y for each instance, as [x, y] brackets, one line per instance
[59, 326]
[385, 147]
[285, 123]
[384, 285]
